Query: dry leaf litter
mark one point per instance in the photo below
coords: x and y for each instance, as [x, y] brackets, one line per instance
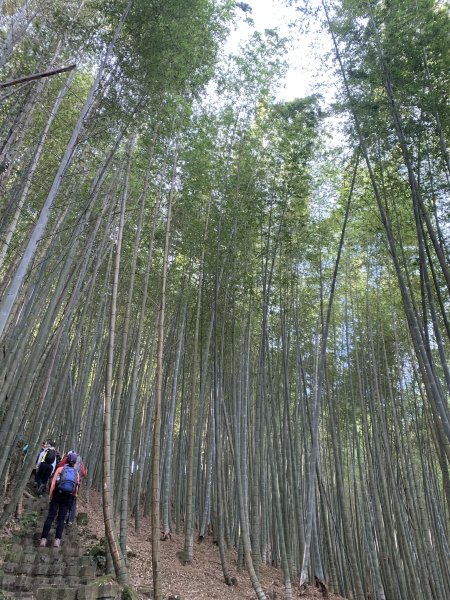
[203, 578]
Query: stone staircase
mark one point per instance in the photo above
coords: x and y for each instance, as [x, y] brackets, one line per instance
[65, 573]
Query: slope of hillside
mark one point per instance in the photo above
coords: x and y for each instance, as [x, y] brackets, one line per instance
[200, 580]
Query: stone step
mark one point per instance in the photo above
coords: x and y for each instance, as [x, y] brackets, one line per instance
[70, 534]
[55, 593]
[66, 550]
[30, 572]
[16, 583]
[17, 553]
[100, 591]
[27, 583]
[26, 542]
[13, 568]
[27, 551]
[50, 569]
[46, 556]
[30, 554]
[17, 595]
[67, 540]
[79, 561]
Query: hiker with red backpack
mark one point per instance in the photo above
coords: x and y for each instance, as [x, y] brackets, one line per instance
[45, 467]
[64, 489]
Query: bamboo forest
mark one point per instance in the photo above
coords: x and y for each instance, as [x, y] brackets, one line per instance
[235, 307]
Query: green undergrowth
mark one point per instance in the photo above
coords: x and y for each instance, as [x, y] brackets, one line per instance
[28, 520]
[98, 553]
[129, 593]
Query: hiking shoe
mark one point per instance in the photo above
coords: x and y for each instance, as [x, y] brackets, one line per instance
[57, 543]
[43, 543]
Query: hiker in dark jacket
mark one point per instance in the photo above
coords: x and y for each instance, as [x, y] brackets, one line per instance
[45, 467]
[64, 488]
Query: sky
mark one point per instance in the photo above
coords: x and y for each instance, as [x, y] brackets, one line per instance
[306, 62]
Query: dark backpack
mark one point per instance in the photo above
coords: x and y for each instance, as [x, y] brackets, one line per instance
[68, 480]
[50, 456]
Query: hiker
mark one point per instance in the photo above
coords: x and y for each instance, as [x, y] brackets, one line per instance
[63, 490]
[42, 449]
[58, 457]
[45, 467]
[79, 466]
[25, 452]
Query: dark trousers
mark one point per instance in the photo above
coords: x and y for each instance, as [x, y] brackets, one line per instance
[43, 474]
[73, 511]
[59, 504]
